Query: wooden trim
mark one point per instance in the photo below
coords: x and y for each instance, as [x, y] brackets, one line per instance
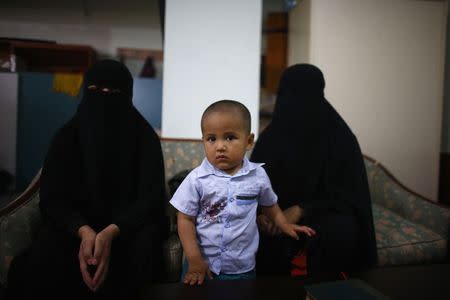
[124, 53]
[164, 139]
[393, 178]
[52, 46]
[24, 197]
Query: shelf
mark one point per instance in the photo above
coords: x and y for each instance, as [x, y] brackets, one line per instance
[35, 56]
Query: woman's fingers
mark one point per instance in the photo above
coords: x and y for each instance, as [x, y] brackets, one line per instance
[99, 272]
[263, 223]
[305, 229]
[87, 279]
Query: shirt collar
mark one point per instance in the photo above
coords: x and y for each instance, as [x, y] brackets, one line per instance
[206, 168]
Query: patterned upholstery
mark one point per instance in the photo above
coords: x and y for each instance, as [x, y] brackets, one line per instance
[19, 222]
[181, 155]
[400, 241]
[409, 229]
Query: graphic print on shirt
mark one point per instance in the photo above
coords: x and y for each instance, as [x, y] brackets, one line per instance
[210, 211]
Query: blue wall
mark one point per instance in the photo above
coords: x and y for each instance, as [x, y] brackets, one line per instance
[41, 112]
[147, 98]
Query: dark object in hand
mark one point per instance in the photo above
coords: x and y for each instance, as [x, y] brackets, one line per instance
[91, 269]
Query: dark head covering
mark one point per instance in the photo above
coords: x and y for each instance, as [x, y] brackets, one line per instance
[111, 74]
[313, 160]
[298, 132]
[105, 165]
[300, 92]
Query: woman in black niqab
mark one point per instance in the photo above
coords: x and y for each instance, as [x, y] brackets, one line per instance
[102, 197]
[317, 170]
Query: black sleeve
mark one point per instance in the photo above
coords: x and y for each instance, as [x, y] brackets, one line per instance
[149, 207]
[59, 189]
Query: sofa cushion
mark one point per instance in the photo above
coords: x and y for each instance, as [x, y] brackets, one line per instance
[181, 155]
[400, 241]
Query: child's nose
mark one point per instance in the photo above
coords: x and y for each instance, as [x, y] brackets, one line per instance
[221, 145]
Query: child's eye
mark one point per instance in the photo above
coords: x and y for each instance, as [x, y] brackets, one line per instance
[211, 139]
[231, 137]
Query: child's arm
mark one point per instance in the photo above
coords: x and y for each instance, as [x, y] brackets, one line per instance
[293, 215]
[276, 215]
[197, 265]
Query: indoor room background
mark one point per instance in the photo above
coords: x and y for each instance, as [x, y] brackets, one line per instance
[384, 63]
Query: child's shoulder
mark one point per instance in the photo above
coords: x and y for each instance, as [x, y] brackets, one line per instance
[193, 173]
[257, 166]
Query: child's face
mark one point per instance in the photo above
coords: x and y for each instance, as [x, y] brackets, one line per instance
[225, 140]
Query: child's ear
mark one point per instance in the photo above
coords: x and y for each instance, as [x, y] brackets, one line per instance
[251, 141]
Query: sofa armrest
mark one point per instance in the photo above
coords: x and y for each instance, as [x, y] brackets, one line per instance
[19, 222]
[173, 252]
[389, 193]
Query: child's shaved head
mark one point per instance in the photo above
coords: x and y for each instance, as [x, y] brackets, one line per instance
[230, 106]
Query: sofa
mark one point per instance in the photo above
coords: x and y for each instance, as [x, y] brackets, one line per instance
[410, 229]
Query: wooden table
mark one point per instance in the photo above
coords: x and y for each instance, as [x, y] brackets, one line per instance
[401, 282]
[430, 281]
[264, 288]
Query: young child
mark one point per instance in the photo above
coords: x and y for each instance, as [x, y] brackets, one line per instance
[217, 201]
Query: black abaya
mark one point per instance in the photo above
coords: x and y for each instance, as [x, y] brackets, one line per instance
[314, 161]
[103, 167]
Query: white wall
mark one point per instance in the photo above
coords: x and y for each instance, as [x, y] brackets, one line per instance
[383, 63]
[299, 34]
[211, 52]
[104, 25]
[8, 121]
[445, 144]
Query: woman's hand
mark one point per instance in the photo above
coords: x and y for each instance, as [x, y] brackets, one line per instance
[197, 270]
[103, 242]
[86, 253]
[292, 230]
[266, 225]
[292, 214]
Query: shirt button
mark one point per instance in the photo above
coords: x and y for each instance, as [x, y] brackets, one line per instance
[227, 225]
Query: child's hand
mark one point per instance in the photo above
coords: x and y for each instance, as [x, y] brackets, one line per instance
[196, 272]
[292, 230]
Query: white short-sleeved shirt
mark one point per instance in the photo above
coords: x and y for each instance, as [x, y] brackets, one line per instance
[225, 210]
